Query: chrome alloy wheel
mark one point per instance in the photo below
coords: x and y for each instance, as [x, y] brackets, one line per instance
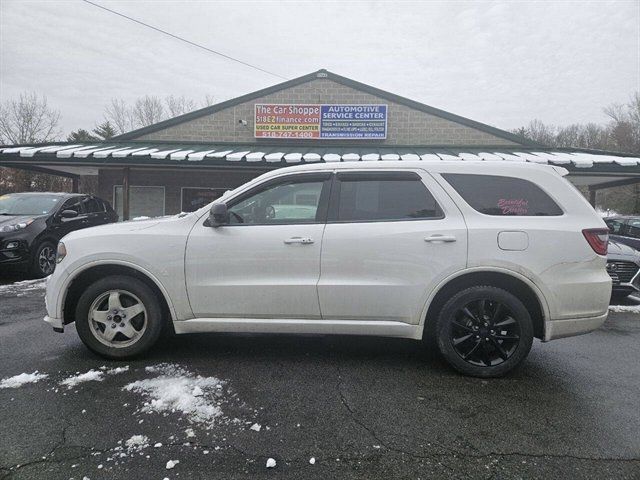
[47, 260]
[117, 318]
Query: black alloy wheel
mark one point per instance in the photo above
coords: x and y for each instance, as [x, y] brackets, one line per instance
[484, 331]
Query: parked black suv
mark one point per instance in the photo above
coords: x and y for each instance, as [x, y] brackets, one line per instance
[31, 224]
[624, 230]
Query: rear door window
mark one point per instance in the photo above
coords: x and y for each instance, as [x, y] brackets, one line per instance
[382, 196]
[91, 205]
[497, 195]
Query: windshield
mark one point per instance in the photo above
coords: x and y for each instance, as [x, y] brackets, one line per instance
[28, 204]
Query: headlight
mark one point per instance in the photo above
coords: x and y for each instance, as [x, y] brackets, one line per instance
[62, 252]
[16, 226]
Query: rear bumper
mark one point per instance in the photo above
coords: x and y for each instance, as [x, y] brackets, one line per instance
[573, 326]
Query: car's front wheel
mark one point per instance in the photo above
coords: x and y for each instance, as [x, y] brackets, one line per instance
[119, 317]
[484, 331]
[44, 260]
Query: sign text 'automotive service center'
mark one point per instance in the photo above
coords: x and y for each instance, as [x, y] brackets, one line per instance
[320, 121]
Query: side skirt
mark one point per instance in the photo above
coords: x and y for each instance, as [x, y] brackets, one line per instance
[299, 326]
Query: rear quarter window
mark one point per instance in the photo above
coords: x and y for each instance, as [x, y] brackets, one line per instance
[503, 196]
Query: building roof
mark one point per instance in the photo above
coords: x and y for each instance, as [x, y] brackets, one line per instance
[338, 79]
[207, 155]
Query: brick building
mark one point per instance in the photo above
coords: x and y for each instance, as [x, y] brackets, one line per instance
[185, 162]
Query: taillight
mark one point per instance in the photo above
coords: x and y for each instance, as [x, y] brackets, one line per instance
[598, 238]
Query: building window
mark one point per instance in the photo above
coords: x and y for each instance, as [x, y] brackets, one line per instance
[194, 198]
[143, 201]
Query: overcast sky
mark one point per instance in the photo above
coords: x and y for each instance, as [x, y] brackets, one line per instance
[499, 62]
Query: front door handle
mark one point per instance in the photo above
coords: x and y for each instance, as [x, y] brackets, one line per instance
[302, 240]
[440, 238]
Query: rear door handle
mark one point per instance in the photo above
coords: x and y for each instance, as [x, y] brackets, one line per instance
[440, 238]
[302, 240]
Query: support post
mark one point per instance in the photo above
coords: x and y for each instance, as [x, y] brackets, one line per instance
[75, 185]
[592, 198]
[125, 194]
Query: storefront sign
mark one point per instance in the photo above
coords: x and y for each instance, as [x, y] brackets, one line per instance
[320, 121]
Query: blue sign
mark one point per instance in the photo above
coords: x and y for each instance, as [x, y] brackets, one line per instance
[353, 121]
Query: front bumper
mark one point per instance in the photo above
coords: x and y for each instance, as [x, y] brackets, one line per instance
[625, 276]
[56, 323]
[16, 257]
[573, 326]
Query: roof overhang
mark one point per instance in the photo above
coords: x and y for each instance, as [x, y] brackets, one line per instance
[592, 168]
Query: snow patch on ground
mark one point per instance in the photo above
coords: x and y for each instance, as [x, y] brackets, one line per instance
[22, 379]
[624, 308]
[20, 289]
[137, 442]
[176, 389]
[90, 376]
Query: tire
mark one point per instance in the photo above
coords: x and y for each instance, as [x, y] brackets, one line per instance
[43, 262]
[467, 340]
[122, 328]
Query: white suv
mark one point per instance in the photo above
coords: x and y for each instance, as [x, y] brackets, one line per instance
[476, 258]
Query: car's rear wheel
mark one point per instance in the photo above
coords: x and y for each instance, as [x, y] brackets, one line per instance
[119, 317]
[43, 262]
[484, 331]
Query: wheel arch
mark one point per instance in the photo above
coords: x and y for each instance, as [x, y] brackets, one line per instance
[508, 280]
[78, 281]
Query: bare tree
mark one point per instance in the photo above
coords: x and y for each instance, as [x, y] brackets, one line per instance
[148, 110]
[119, 114]
[28, 119]
[179, 105]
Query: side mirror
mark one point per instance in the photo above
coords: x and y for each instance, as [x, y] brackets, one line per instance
[218, 215]
[68, 214]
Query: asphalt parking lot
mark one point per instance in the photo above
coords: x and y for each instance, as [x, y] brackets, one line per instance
[222, 405]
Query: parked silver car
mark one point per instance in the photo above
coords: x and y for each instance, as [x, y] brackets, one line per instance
[623, 265]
